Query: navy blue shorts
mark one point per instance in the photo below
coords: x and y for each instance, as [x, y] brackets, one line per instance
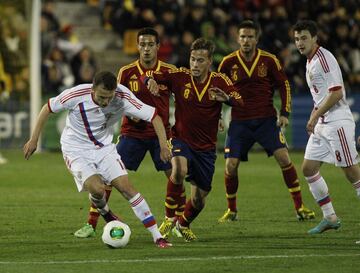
[242, 135]
[201, 164]
[132, 151]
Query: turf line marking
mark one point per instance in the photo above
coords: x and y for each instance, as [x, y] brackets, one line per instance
[152, 260]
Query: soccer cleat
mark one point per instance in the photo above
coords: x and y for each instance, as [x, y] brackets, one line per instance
[166, 226]
[325, 225]
[186, 233]
[304, 213]
[176, 233]
[85, 232]
[229, 216]
[163, 243]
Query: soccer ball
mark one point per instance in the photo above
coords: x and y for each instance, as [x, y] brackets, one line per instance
[116, 234]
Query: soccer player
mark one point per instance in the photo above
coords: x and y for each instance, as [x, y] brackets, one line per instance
[138, 136]
[257, 74]
[86, 142]
[331, 125]
[199, 95]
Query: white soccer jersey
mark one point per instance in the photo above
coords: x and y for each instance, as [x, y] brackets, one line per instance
[89, 126]
[323, 75]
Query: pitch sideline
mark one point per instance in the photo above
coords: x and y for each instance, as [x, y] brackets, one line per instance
[151, 260]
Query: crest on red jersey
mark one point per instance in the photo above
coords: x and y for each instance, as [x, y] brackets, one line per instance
[262, 70]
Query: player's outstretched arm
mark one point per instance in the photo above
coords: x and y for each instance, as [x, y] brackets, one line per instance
[165, 153]
[31, 145]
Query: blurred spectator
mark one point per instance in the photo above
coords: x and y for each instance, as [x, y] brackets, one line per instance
[57, 74]
[183, 49]
[83, 66]
[68, 42]
[194, 19]
[166, 49]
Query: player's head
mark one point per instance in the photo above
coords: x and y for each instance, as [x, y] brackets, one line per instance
[148, 43]
[201, 52]
[305, 35]
[249, 33]
[103, 89]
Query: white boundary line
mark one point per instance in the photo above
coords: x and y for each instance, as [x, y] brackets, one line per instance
[153, 260]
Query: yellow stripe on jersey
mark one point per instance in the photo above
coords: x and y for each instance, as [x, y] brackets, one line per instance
[272, 56]
[249, 72]
[203, 91]
[177, 70]
[288, 97]
[139, 67]
[122, 69]
[224, 77]
[231, 55]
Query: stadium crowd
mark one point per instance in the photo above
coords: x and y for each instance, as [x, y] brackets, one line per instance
[180, 22]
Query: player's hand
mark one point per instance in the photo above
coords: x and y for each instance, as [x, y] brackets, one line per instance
[153, 87]
[283, 122]
[165, 154]
[29, 148]
[310, 126]
[218, 94]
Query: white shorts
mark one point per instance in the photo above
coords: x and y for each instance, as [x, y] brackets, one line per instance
[105, 162]
[333, 143]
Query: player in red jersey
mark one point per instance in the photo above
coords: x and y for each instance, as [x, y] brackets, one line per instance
[199, 95]
[137, 136]
[257, 74]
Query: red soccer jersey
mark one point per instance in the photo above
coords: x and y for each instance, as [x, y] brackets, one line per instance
[196, 114]
[129, 76]
[256, 82]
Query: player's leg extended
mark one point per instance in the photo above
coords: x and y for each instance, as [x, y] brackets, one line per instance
[231, 187]
[88, 230]
[141, 208]
[292, 182]
[192, 209]
[96, 188]
[319, 190]
[353, 175]
[174, 193]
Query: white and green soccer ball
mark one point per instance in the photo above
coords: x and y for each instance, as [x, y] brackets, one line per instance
[116, 234]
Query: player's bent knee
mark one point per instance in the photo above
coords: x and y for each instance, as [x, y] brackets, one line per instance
[124, 186]
[231, 168]
[179, 175]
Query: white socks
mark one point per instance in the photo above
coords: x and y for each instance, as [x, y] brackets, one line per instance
[142, 211]
[319, 190]
[100, 204]
[356, 186]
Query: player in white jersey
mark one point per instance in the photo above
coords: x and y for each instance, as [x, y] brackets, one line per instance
[331, 125]
[86, 142]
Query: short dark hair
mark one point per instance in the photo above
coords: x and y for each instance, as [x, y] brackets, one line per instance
[149, 31]
[106, 79]
[205, 44]
[306, 25]
[252, 25]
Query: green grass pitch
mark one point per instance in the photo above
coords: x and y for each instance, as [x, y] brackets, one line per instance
[41, 208]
